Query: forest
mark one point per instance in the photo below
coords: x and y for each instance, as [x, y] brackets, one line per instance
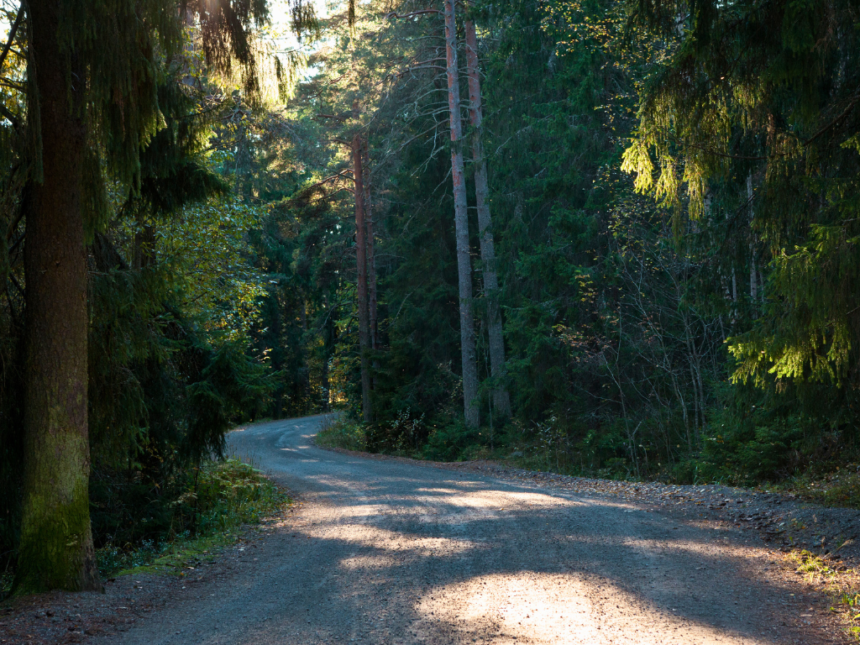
[610, 238]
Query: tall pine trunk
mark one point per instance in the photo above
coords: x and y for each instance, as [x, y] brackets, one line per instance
[461, 223]
[501, 400]
[361, 261]
[56, 547]
[371, 266]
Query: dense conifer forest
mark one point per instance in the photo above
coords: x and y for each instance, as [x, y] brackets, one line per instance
[614, 238]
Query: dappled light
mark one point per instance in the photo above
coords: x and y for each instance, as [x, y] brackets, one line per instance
[555, 608]
[420, 555]
[594, 264]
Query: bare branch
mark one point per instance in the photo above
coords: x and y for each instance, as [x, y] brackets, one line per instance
[394, 14]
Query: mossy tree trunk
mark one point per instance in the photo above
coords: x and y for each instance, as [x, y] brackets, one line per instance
[56, 547]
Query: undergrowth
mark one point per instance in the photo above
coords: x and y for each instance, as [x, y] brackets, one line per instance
[224, 497]
[841, 584]
[546, 447]
[342, 433]
[839, 488]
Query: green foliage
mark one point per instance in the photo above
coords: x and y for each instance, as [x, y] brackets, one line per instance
[175, 293]
[232, 386]
[403, 435]
[451, 441]
[766, 94]
[342, 433]
[748, 453]
[213, 500]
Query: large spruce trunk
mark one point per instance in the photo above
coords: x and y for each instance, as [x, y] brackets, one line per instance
[461, 223]
[56, 547]
[361, 261]
[501, 400]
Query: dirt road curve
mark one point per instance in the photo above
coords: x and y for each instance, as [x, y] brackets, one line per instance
[390, 552]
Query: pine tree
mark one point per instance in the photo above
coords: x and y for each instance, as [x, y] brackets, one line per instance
[461, 224]
[73, 82]
[501, 400]
[361, 262]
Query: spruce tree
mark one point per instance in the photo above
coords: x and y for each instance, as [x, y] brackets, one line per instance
[92, 104]
[77, 91]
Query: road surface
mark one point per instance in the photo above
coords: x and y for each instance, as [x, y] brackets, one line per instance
[387, 551]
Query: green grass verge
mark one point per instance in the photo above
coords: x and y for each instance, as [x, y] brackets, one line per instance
[839, 488]
[229, 495]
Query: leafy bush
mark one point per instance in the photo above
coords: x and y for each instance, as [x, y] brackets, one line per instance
[342, 433]
[450, 441]
[232, 493]
[402, 435]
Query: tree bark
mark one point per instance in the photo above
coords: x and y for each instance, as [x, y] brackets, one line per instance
[501, 400]
[753, 270]
[371, 268]
[361, 261]
[461, 224]
[56, 547]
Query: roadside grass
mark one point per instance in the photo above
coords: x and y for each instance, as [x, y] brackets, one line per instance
[841, 584]
[341, 433]
[839, 488]
[229, 495]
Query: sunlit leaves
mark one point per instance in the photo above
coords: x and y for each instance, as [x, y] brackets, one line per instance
[205, 251]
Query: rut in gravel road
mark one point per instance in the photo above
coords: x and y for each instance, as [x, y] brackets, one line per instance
[392, 552]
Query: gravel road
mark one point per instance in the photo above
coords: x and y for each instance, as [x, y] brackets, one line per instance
[386, 551]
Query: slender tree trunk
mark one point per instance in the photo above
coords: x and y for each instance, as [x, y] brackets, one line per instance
[143, 255]
[56, 547]
[753, 270]
[373, 305]
[734, 288]
[371, 268]
[325, 366]
[461, 224]
[361, 260]
[501, 400]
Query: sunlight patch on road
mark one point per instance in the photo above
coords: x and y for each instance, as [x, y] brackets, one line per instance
[554, 609]
[489, 502]
[445, 491]
[705, 551]
[364, 510]
[368, 562]
[384, 540]
[515, 609]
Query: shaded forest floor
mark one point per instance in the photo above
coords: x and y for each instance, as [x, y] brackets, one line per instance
[139, 583]
[60, 618]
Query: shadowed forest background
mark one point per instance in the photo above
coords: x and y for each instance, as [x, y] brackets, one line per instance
[673, 188]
